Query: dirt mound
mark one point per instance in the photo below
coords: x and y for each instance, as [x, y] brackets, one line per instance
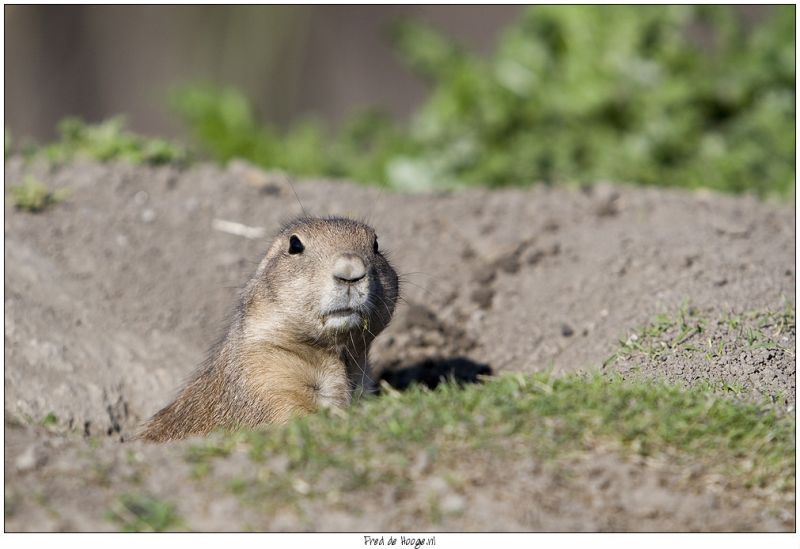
[113, 296]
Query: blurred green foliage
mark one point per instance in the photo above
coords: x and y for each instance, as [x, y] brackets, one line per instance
[580, 93]
[663, 95]
[109, 140]
[660, 95]
[34, 196]
[225, 124]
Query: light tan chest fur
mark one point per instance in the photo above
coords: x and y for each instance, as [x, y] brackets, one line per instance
[296, 382]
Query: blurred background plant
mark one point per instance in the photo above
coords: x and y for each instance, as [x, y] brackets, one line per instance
[34, 196]
[109, 140]
[687, 96]
[581, 93]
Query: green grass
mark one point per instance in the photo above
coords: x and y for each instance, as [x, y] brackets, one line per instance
[106, 141]
[139, 513]
[49, 419]
[688, 332]
[33, 196]
[374, 443]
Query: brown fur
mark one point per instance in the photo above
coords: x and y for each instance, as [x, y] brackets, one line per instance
[279, 358]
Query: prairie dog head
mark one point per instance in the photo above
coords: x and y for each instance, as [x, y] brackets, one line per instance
[322, 281]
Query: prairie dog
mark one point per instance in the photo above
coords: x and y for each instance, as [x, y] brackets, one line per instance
[300, 335]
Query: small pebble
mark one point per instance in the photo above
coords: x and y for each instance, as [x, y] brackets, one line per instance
[148, 215]
[452, 503]
[30, 459]
[436, 485]
[301, 486]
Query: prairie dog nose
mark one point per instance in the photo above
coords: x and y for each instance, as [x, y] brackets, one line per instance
[349, 268]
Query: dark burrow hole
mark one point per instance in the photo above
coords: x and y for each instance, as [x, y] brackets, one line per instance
[433, 371]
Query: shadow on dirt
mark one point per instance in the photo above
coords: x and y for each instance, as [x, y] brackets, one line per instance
[433, 371]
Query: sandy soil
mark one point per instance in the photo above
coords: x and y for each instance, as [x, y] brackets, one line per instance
[113, 296]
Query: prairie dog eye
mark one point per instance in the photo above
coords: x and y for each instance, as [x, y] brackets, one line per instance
[295, 246]
[375, 245]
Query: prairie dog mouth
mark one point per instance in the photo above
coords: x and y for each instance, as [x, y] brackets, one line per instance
[342, 318]
[340, 312]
